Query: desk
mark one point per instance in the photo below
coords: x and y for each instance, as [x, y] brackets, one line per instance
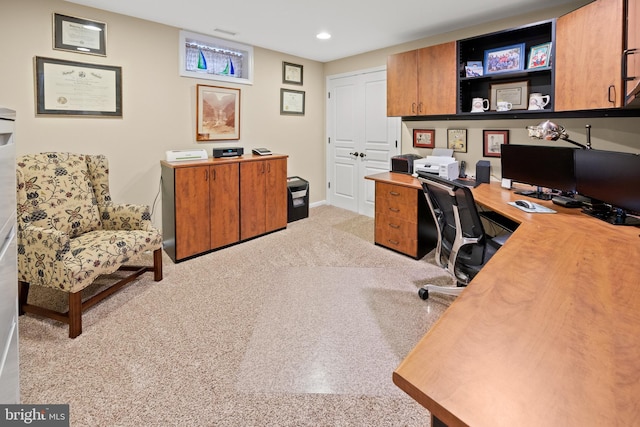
[547, 334]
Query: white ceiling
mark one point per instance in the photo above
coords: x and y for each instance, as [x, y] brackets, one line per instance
[290, 26]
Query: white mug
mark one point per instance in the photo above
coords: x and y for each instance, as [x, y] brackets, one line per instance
[538, 101]
[478, 105]
[504, 106]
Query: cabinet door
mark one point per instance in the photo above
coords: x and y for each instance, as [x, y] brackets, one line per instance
[402, 84]
[224, 202]
[192, 211]
[276, 197]
[252, 199]
[633, 42]
[588, 57]
[437, 79]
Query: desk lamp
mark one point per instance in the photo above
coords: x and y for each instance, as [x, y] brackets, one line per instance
[552, 132]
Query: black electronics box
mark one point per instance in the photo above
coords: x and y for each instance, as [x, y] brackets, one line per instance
[228, 152]
[483, 171]
[297, 199]
[403, 163]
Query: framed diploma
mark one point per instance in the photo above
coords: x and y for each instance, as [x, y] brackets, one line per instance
[291, 102]
[79, 35]
[77, 89]
[292, 73]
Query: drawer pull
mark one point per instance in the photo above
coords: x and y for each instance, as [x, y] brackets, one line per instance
[394, 242]
[396, 226]
[394, 210]
[394, 193]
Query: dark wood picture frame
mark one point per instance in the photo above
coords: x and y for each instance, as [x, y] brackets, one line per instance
[292, 73]
[72, 88]
[217, 113]
[79, 35]
[493, 140]
[292, 102]
[424, 138]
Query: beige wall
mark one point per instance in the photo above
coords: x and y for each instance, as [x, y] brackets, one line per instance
[158, 105]
[619, 134]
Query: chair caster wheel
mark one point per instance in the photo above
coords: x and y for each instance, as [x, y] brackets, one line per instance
[423, 293]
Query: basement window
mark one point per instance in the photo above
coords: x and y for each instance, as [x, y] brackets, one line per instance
[205, 57]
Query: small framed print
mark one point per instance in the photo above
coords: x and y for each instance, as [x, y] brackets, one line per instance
[292, 73]
[291, 102]
[505, 59]
[79, 35]
[457, 140]
[493, 141]
[424, 138]
[217, 113]
[474, 69]
[540, 56]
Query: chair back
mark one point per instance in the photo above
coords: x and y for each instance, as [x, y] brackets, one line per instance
[461, 235]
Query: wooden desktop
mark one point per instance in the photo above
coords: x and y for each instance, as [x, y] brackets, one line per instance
[548, 333]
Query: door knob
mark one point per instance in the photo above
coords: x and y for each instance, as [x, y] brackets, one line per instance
[355, 153]
[363, 155]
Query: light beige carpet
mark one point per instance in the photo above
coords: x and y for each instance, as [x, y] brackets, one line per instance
[302, 327]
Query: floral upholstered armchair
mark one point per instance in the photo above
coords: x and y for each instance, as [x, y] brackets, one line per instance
[70, 232]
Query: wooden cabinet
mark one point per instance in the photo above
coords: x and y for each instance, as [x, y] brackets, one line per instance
[403, 221]
[201, 202]
[588, 57]
[263, 197]
[422, 82]
[632, 52]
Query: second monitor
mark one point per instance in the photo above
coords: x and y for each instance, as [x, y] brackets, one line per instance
[539, 166]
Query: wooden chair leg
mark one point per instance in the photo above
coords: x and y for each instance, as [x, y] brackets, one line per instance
[75, 314]
[23, 296]
[157, 265]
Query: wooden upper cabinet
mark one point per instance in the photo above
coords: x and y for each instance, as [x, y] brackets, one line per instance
[402, 84]
[589, 45]
[633, 42]
[422, 82]
[437, 79]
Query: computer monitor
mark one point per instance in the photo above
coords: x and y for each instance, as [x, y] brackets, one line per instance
[540, 166]
[612, 180]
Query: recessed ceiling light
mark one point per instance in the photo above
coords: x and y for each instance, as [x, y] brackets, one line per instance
[324, 36]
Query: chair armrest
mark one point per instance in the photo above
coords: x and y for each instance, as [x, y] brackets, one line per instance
[40, 249]
[126, 217]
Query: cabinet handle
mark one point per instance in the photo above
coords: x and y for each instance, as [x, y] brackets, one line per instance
[396, 226]
[393, 242]
[413, 107]
[268, 167]
[214, 174]
[206, 174]
[612, 89]
[419, 107]
[394, 193]
[394, 210]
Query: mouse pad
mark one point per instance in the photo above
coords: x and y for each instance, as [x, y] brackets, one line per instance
[538, 208]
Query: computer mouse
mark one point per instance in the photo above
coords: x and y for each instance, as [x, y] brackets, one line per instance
[525, 204]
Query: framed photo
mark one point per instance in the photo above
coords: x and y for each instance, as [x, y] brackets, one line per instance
[493, 140]
[424, 138]
[473, 69]
[505, 59]
[292, 73]
[77, 89]
[540, 56]
[79, 35]
[517, 93]
[217, 113]
[457, 140]
[291, 102]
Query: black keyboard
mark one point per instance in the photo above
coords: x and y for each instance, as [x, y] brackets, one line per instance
[567, 202]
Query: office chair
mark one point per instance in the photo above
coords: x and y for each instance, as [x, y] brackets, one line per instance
[463, 246]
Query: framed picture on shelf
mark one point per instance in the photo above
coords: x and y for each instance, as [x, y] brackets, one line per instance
[505, 59]
[540, 56]
[79, 35]
[517, 93]
[217, 113]
[493, 141]
[292, 73]
[424, 138]
[473, 69]
[457, 140]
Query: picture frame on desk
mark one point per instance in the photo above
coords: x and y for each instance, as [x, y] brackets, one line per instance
[493, 141]
[217, 113]
[424, 138]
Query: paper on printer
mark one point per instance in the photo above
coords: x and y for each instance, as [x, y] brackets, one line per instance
[440, 162]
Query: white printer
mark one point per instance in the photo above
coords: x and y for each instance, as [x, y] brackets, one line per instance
[440, 162]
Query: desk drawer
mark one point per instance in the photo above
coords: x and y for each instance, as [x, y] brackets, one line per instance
[397, 234]
[396, 201]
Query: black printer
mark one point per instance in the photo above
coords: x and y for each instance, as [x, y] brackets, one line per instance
[403, 163]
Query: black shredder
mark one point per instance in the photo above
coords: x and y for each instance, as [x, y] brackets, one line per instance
[298, 198]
